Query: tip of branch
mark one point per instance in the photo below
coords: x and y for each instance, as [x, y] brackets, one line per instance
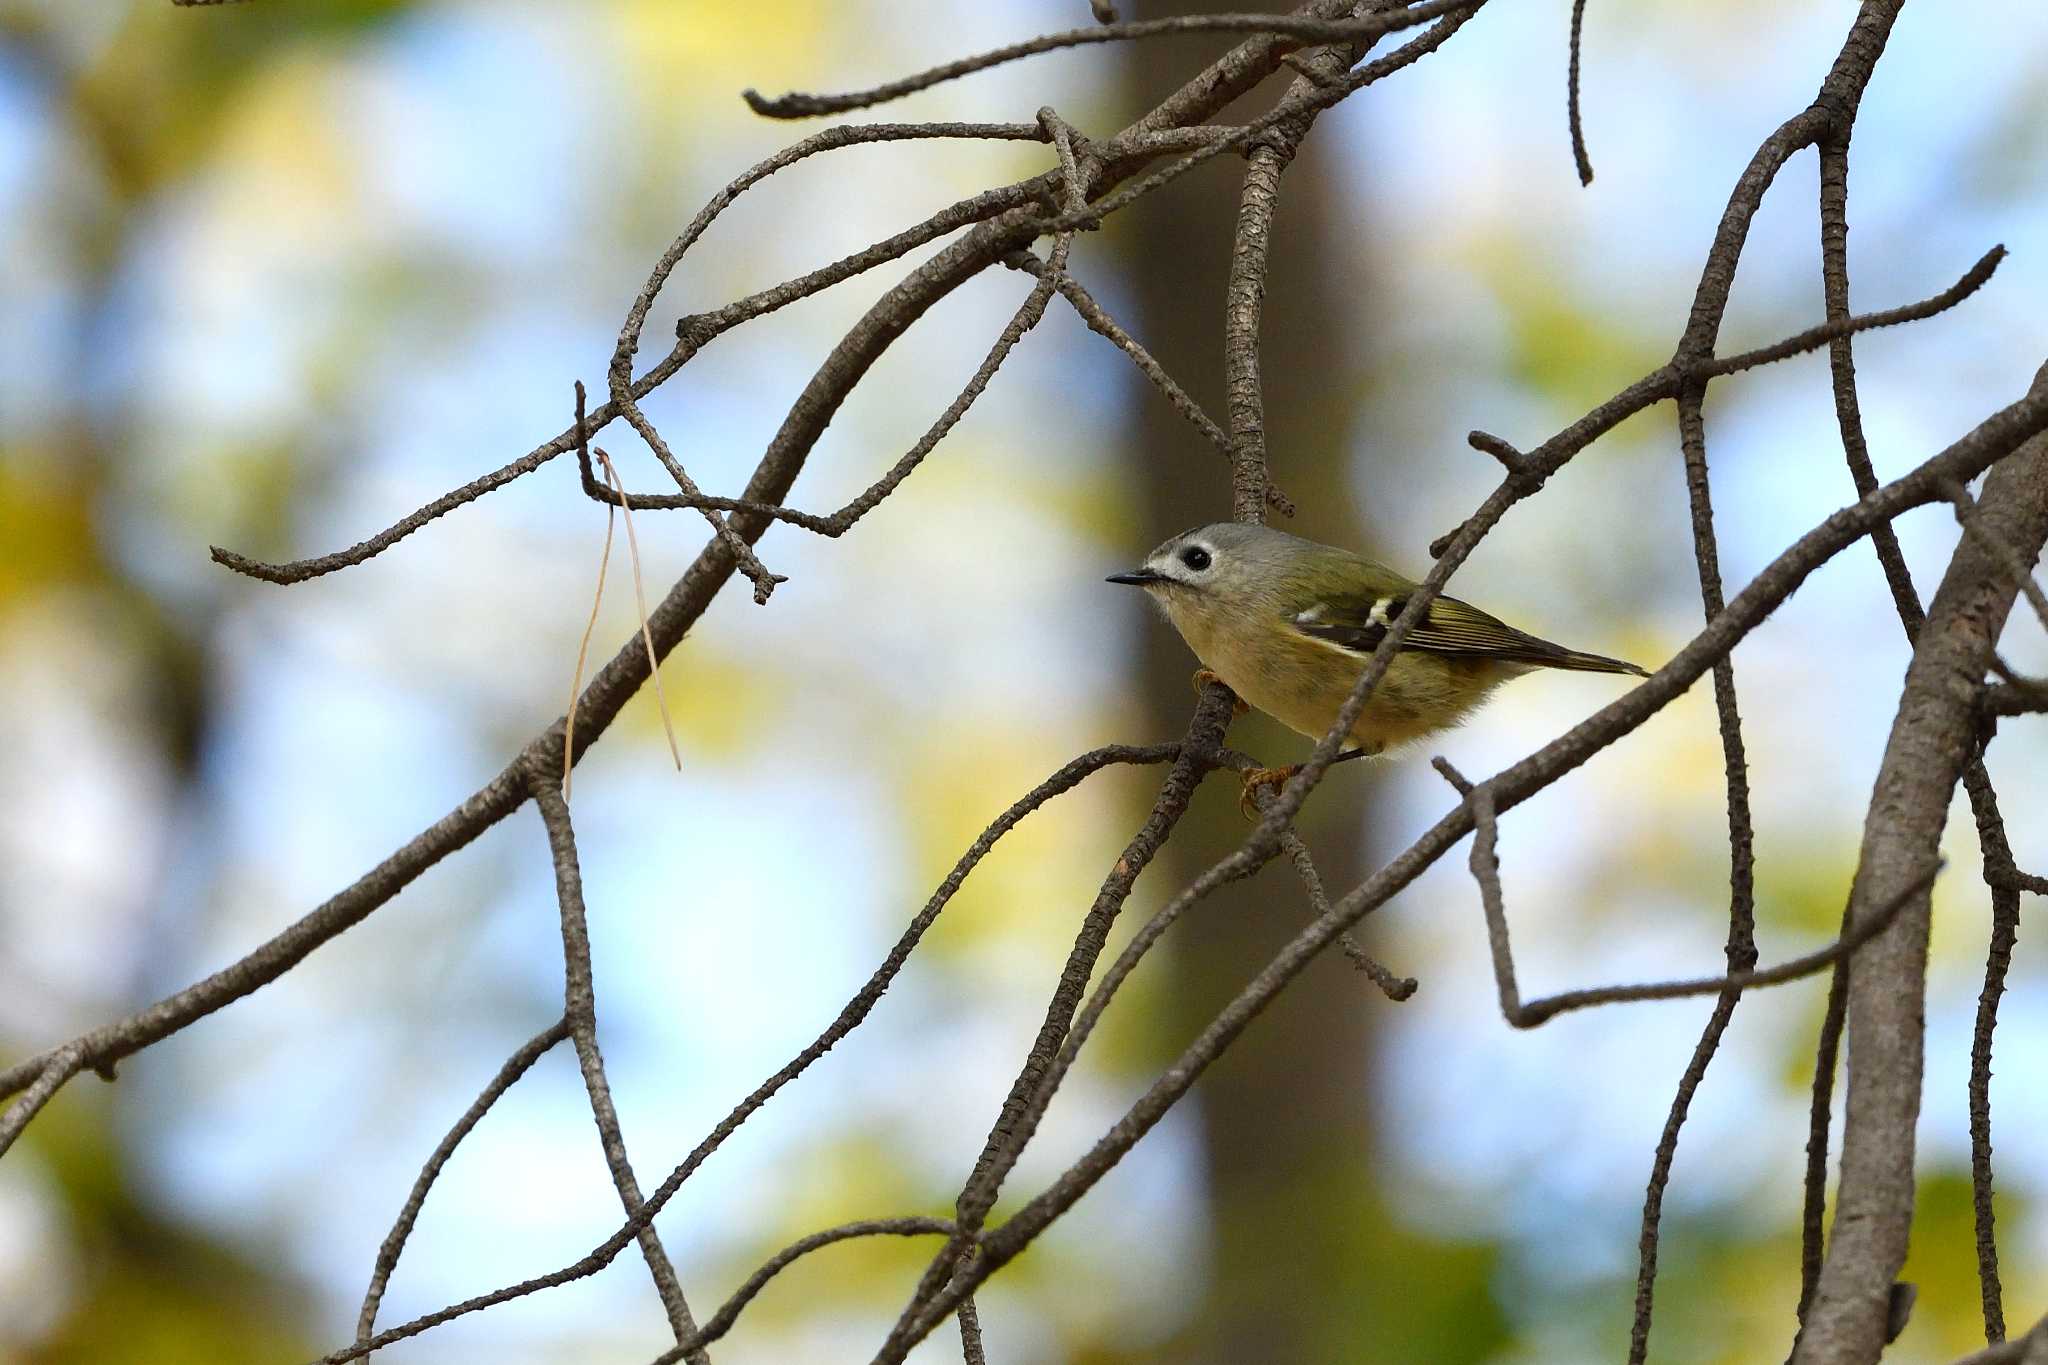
[1490, 444]
[694, 330]
[791, 105]
[242, 564]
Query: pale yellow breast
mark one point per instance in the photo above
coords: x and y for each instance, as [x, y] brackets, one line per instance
[1302, 683]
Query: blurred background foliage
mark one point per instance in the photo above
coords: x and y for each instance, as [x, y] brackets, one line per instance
[273, 274]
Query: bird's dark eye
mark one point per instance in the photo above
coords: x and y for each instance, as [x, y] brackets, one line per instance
[1195, 557]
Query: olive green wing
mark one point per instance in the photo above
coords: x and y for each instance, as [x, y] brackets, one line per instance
[1449, 626]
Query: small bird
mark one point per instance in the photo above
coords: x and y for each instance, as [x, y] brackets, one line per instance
[1288, 625]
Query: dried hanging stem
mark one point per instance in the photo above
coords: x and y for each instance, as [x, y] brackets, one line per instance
[589, 627]
[611, 475]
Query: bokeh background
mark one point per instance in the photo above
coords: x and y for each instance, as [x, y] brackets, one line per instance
[271, 275]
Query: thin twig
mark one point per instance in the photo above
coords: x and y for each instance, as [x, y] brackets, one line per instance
[1664, 383]
[749, 563]
[830, 139]
[1395, 988]
[1814, 1193]
[2005, 929]
[54, 1071]
[1485, 867]
[1100, 322]
[1484, 863]
[515, 1066]
[972, 1352]
[1813, 338]
[1792, 969]
[1073, 185]
[1571, 97]
[797, 104]
[579, 1010]
[1741, 944]
[721, 1322]
[1510, 459]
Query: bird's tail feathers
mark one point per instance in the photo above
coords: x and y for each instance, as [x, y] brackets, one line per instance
[1579, 661]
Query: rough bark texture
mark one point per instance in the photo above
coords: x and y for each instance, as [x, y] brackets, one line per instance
[1934, 736]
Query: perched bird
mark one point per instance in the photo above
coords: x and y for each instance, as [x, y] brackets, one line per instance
[1289, 624]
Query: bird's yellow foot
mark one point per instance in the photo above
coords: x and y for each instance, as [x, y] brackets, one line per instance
[1203, 677]
[1257, 778]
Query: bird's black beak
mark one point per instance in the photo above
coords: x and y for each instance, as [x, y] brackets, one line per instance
[1137, 578]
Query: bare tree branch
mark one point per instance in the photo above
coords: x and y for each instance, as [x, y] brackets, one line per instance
[1485, 865]
[1932, 740]
[515, 1066]
[728, 1313]
[1580, 160]
[579, 1009]
[1294, 30]
[1836, 329]
[50, 1072]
